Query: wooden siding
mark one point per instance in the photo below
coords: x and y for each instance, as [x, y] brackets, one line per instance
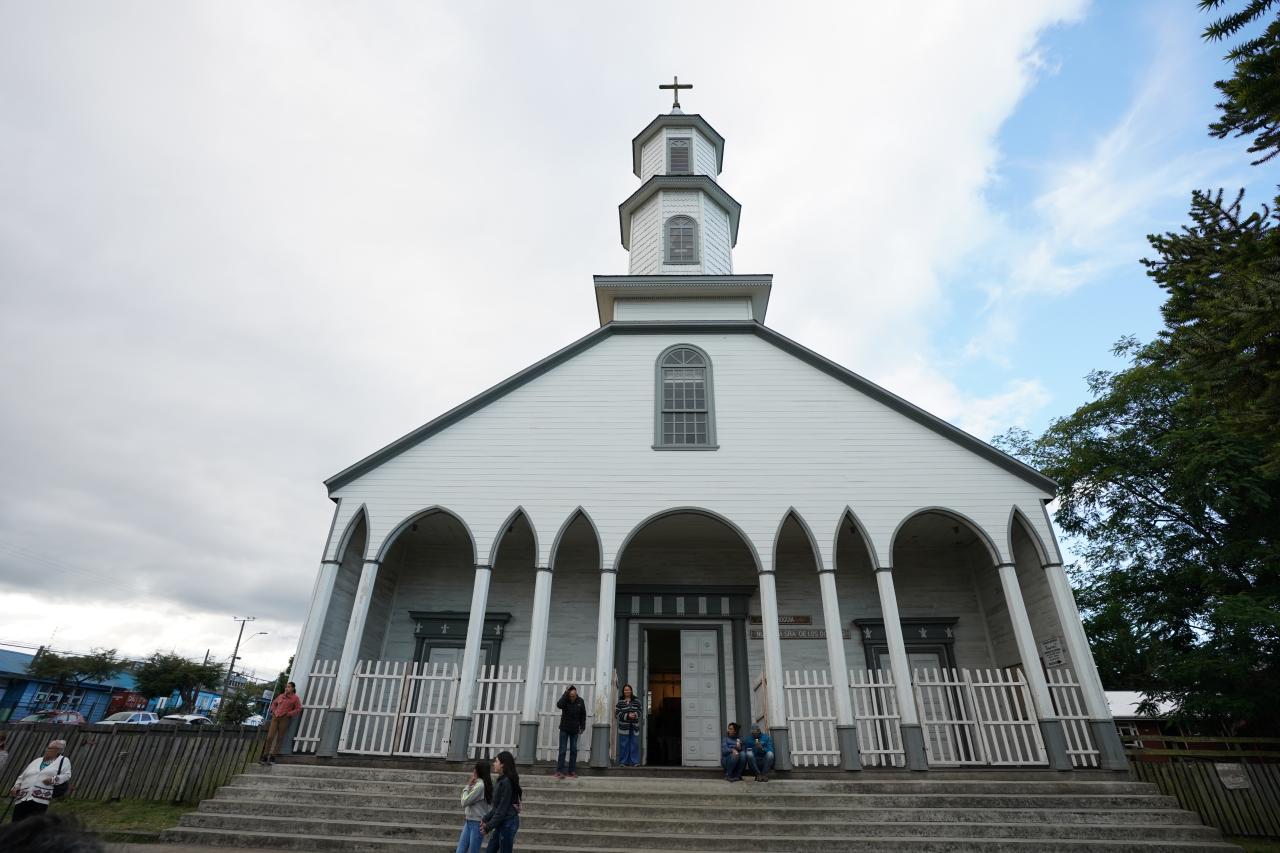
[717, 244]
[653, 157]
[646, 245]
[708, 308]
[790, 436]
[704, 156]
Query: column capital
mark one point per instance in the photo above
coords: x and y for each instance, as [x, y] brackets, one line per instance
[372, 561]
[826, 571]
[546, 569]
[888, 569]
[1006, 565]
[767, 572]
[609, 571]
[331, 562]
[1052, 566]
[480, 566]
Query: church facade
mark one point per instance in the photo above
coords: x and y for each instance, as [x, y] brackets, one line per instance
[689, 502]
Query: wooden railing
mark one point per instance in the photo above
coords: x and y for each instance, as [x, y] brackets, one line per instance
[158, 762]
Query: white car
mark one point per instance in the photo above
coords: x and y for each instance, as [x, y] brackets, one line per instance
[255, 720]
[130, 718]
[187, 720]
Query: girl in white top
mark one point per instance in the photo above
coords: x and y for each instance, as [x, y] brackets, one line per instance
[34, 789]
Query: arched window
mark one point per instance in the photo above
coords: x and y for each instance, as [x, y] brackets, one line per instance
[685, 412]
[682, 240]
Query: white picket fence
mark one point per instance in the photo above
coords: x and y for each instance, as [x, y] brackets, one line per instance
[982, 716]
[315, 702]
[430, 693]
[1068, 701]
[555, 679]
[811, 716]
[875, 712]
[373, 708]
[495, 721]
[759, 702]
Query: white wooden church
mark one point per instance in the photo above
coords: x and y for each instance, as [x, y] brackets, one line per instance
[689, 502]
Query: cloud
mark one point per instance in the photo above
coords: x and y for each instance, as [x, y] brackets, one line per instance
[241, 248]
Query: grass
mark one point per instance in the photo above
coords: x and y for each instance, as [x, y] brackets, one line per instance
[1256, 845]
[123, 820]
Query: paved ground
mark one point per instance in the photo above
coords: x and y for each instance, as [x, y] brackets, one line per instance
[176, 848]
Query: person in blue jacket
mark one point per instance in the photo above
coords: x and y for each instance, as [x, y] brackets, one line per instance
[733, 755]
[760, 753]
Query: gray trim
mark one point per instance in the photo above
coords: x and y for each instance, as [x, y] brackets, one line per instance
[848, 377]
[666, 242]
[332, 562]
[742, 672]
[657, 401]
[676, 120]
[850, 756]
[600, 745]
[1055, 744]
[678, 182]
[913, 746]
[459, 738]
[1110, 748]
[610, 288]
[1017, 516]
[527, 745]
[781, 747]
[333, 525]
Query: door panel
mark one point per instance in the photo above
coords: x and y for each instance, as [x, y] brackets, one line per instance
[700, 698]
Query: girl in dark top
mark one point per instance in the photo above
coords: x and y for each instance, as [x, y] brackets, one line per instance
[477, 796]
[503, 819]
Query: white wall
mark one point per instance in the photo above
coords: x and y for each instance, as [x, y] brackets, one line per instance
[702, 308]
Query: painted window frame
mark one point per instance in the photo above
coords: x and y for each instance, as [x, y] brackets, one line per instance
[691, 143]
[658, 443]
[666, 241]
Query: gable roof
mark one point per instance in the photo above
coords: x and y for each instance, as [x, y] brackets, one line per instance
[826, 365]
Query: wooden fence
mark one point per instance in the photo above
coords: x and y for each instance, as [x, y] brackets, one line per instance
[1237, 791]
[160, 763]
[811, 714]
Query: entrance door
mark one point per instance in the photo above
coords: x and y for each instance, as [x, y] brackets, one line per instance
[700, 698]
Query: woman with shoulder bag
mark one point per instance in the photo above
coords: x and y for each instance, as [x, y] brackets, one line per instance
[44, 780]
[503, 819]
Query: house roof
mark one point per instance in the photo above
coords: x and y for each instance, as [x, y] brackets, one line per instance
[853, 380]
[15, 664]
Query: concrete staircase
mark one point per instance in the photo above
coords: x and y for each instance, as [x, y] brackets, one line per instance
[342, 808]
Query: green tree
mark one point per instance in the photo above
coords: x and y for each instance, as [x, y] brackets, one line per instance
[75, 670]
[1251, 96]
[163, 673]
[239, 705]
[283, 678]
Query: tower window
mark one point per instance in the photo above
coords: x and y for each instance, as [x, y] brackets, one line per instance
[685, 413]
[682, 240]
[678, 156]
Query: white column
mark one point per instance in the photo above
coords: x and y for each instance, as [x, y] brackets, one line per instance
[1026, 641]
[602, 706]
[898, 663]
[772, 651]
[1064, 602]
[355, 633]
[313, 626]
[835, 648]
[470, 668]
[539, 625]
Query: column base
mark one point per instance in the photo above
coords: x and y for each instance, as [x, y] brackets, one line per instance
[527, 745]
[459, 738]
[781, 747]
[1055, 744]
[913, 746]
[330, 732]
[1110, 748]
[600, 745]
[290, 732]
[847, 737]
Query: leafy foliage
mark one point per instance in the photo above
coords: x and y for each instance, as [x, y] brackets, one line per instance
[283, 678]
[1251, 97]
[163, 673]
[238, 706]
[74, 670]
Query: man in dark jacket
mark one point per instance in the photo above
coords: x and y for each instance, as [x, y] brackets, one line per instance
[732, 754]
[760, 753]
[573, 722]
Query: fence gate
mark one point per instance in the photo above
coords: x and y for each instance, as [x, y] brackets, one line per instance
[979, 717]
[811, 716]
[875, 712]
[369, 727]
[320, 683]
[431, 689]
[1068, 701]
[495, 723]
[554, 681]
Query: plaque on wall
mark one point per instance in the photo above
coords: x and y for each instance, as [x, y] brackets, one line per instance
[796, 633]
[785, 620]
[1053, 652]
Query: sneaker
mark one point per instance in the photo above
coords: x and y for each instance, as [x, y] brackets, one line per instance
[271, 759]
[764, 777]
[759, 777]
[571, 776]
[557, 775]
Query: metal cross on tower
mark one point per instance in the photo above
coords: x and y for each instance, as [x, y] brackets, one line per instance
[676, 86]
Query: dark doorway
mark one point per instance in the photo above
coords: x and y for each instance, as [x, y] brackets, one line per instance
[664, 720]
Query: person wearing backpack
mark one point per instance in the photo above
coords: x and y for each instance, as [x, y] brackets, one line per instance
[44, 780]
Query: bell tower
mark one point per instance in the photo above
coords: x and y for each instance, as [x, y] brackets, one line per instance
[679, 229]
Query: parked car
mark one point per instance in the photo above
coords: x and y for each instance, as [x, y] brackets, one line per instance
[62, 718]
[254, 720]
[187, 720]
[132, 718]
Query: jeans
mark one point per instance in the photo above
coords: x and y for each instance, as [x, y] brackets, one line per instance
[503, 839]
[629, 750]
[470, 839]
[569, 739]
[733, 766]
[760, 764]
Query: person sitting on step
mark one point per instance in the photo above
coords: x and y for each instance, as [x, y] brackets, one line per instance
[760, 753]
[732, 754]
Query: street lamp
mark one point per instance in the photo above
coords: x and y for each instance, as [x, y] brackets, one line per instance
[235, 654]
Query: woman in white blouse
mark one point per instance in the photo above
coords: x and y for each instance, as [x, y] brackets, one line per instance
[34, 789]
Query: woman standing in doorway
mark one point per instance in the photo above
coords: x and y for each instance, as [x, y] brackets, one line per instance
[627, 713]
[477, 796]
[503, 819]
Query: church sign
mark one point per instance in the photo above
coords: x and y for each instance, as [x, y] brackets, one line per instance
[785, 620]
[797, 633]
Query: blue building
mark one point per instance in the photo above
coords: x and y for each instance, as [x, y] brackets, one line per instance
[20, 694]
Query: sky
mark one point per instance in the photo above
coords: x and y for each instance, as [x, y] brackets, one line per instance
[243, 245]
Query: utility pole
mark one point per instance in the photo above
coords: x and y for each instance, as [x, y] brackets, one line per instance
[231, 666]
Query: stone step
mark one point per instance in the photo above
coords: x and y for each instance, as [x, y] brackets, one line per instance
[759, 792]
[246, 801]
[604, 842]
[709, 834]
[840, 784]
